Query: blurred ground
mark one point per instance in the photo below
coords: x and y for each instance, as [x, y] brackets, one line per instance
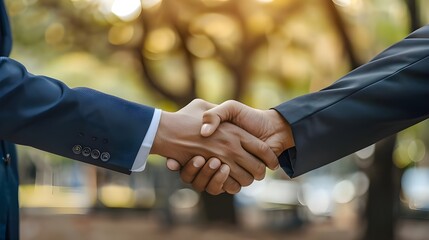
[126, 226]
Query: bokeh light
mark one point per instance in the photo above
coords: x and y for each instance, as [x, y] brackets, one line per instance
[201, 46]
[184, 198]
[343, 3]
[415, 182]
[54, 34]
[160, 41]
[117, 196]
[126, 10]
[216, 26]
[366, 152]
[344, 191]
[121, 34]
[147, 4]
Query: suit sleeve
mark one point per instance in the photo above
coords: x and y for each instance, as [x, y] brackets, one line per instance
[79, 123]
[380, 98]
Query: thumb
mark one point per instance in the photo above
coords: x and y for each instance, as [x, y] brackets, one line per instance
[211, 122]
[214, 117]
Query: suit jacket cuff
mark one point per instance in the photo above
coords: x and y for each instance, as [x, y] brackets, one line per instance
[141, 158]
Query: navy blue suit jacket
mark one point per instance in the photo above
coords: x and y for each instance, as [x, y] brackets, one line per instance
[382, 97]
[80, 124]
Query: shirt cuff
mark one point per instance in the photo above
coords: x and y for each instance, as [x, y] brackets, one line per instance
[141, 159]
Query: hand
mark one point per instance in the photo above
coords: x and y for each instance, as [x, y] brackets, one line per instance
[267, 125]
[209, 179]
[179, 137]
[211, 174]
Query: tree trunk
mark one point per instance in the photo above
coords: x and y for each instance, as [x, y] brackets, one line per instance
[382, 194]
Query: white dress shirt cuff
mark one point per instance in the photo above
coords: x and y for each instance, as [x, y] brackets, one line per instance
[141, 159]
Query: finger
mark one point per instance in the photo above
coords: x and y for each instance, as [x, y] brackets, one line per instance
[215, 185]
[203, 177]
[223, 112]
[202, 104]
[260, 150]
[239, 168]
[173, 165]
[231, 186]
[191, 169]
[245, 167]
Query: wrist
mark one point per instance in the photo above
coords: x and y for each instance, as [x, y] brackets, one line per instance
[160, 142]
[171, 139]
[282, 128]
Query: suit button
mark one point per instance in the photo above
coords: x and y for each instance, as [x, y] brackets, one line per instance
[77, 149]
[7, 159]
[105, 156]
[86, 151]
[95, 154]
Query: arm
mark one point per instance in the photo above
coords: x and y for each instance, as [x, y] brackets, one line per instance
[44, 113]
[103, 130]
[382, 97]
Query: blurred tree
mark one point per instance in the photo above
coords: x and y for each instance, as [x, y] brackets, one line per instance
[259, 52]
[383, 193]
[186, 41]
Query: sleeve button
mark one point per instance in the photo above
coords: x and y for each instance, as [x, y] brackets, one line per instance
[95, 154]
[105, 156]
[77, 149]
[86, 151]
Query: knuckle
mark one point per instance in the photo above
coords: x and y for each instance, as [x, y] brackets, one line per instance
[267, 152]
[260, 171]
[197, 100]
[264, 148]
[230, 102]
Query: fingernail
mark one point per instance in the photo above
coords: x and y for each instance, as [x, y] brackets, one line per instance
[277, 167]
[198, 163]
[205, 129]
[214, 164]
[173, 165]
[224, 168]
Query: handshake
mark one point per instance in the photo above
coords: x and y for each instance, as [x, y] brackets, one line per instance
[220, 148]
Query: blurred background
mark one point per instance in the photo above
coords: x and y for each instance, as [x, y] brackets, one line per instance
[261, 52]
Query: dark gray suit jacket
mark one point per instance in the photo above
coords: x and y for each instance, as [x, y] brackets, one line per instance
[382, 97]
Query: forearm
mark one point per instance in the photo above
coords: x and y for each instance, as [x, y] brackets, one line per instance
[44, 113]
